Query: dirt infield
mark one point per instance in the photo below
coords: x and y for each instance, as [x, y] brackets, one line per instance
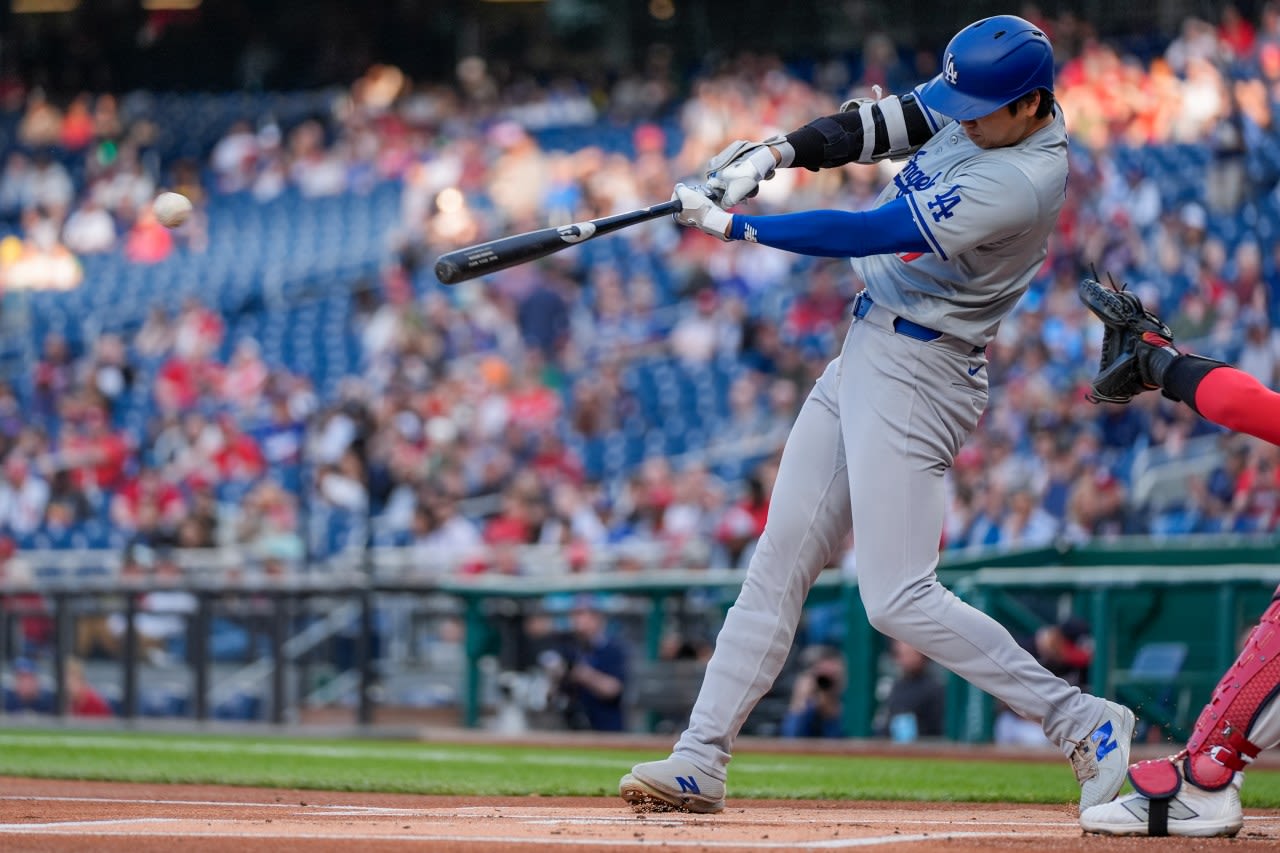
[41, 815]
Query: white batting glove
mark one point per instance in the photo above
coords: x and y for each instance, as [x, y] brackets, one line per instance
[701, 212]
[736, 172]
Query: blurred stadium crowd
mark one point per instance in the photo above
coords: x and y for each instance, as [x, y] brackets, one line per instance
[284, 372]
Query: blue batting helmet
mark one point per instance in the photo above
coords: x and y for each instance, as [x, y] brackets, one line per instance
[988, 64]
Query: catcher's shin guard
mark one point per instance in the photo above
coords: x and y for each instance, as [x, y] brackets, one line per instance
[1241, 720]
[1235, 726]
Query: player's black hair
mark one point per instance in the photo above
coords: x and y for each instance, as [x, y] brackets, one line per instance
[1044, 108]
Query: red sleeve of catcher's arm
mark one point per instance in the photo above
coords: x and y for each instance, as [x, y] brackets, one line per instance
[1235, 400]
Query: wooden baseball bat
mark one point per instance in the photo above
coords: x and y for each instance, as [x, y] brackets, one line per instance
[464, 264]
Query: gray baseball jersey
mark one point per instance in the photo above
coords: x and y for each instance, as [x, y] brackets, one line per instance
[987, 213]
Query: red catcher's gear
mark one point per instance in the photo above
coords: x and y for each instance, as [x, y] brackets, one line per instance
[1219, 745]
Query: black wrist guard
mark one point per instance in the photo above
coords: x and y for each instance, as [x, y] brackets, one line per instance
[1184, 375]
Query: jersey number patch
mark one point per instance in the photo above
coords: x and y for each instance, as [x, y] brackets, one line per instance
[944, 203]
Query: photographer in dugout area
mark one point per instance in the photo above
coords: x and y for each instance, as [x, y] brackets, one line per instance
[591, 670]
[816, 708]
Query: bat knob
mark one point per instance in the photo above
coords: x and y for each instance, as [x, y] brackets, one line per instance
[447, 271]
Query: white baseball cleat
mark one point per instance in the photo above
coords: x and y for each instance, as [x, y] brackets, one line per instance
[1102, 759]
[672, 784]
[1192, 812]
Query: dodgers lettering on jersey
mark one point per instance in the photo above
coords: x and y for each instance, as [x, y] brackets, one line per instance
[987, 215]
[913, 178]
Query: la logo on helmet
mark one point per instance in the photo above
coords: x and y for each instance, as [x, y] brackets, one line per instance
[950, 71]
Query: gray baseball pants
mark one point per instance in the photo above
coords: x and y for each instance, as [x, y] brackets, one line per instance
[869, 449]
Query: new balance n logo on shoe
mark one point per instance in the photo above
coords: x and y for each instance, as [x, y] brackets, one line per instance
[688, 785]
[1106, 741]
[1140, 807]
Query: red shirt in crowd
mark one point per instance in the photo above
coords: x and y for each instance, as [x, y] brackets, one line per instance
[506, 530]
[1258, 495]
[96, 460]
[239, 458]
[77, 128]
[148, 499]
[199, 332]
[88, 703]
[534, 408]
[181, 382]
[814, 312]
[243, 381]
[148, 242]
[554, 462]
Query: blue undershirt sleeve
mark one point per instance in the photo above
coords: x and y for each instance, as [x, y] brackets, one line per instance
[887, 229]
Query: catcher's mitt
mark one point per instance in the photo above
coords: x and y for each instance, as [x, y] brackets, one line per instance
[1121, 376]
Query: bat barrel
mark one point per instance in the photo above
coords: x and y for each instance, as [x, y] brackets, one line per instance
[481, 259]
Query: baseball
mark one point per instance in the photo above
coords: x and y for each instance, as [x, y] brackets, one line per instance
[172, 209]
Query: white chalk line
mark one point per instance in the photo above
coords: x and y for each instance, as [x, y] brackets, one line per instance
[731, 820]
[417, 838]
[67, 824]
[359, 811]
[328, 808]
[539, 816]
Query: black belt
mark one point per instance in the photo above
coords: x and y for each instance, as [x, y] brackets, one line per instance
[862, 305]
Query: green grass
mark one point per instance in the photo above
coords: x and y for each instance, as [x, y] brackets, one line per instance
[435, 768]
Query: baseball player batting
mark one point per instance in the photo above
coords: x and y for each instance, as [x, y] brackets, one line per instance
[1197, 791]
[953, 243]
